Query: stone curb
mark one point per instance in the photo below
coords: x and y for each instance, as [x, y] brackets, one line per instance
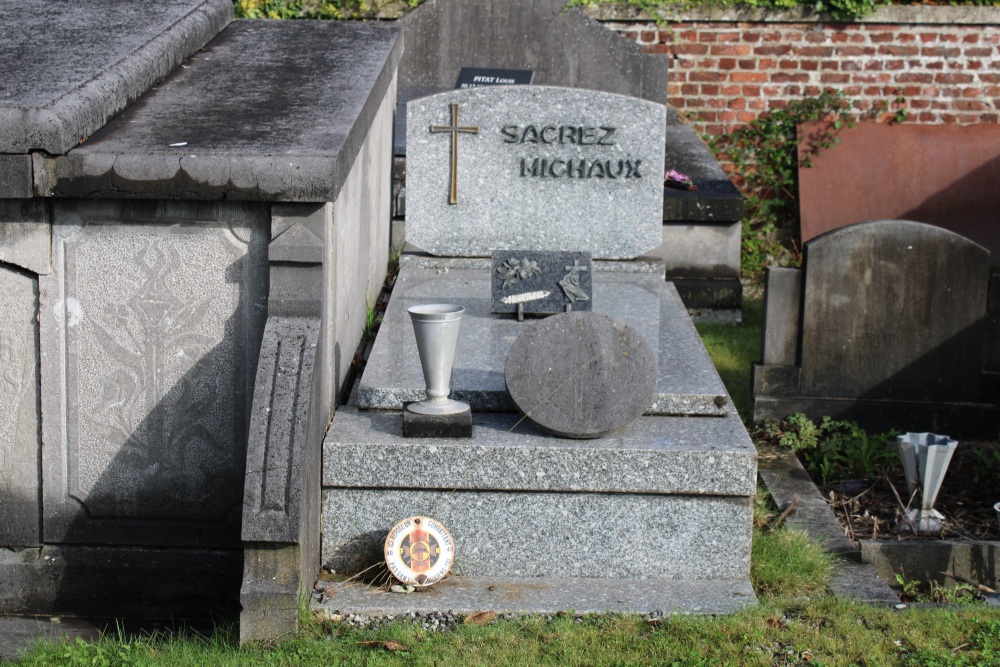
[788, 482]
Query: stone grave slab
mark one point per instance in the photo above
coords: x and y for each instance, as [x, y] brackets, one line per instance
[541, 282]
[275, 127]
[580, 375]
[534, 167]
[72, 66]
[687, 382]
[549, 595]
[669, 533]
[697, 457]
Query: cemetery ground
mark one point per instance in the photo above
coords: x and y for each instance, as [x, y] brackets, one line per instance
[797, 622]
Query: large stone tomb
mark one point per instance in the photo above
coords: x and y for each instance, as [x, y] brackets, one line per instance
[654, 516]
[188, 239]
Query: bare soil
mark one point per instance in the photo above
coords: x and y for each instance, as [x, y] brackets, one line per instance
[872, 509]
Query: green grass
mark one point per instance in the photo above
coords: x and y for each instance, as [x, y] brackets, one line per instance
[825, 631]
[733, 348]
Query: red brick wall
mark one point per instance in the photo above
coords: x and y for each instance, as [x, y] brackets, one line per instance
[725, 73]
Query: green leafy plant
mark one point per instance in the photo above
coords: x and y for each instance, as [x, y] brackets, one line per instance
[914, 590]
[833, 449]
[765, 152]
[372, 320]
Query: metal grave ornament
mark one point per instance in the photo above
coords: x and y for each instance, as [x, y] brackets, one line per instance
[419, 551]
[436, 329]
[925, 459]
[541, 283]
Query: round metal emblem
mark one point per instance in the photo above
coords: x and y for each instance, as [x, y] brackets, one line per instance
[419, 551]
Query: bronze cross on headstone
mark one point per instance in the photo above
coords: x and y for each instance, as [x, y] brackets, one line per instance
[454, 129]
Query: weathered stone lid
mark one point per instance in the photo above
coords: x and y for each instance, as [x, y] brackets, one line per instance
[69, 67]
[247, 118]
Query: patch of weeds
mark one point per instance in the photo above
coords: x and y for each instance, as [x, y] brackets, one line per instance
[833, 449]
[913, 590]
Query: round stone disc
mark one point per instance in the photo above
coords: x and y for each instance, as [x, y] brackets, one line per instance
[419, 551]
[581, 375]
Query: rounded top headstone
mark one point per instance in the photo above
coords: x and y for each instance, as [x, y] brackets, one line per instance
[581, 375]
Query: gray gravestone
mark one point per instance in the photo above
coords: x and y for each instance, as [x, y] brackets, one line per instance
[894, 310]
[534, 167]
[541, 282]
[20, 444]
[581, 375]
[885, 324]
[525, 34]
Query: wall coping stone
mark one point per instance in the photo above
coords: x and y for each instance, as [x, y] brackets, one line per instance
[896, 14]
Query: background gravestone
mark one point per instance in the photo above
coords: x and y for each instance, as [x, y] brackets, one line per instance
[893, 331]
[524, 32]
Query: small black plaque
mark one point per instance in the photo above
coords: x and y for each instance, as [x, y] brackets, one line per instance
[476, 77]
[545, 283]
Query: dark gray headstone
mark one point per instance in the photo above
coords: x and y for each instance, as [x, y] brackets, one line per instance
[564, 47]
[544, 282]
[895, 310]
[581, 375]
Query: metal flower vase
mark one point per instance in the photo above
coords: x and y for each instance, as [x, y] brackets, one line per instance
[925, 461]
[436, 329]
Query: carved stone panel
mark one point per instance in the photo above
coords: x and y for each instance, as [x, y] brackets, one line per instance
[19, 437]
[150, 331]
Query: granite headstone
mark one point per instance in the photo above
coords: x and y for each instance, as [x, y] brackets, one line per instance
[534, 167]
[581, 375]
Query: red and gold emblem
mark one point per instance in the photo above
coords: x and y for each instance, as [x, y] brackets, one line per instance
[419, 551]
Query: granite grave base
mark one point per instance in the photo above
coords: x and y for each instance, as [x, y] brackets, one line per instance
[668, 497]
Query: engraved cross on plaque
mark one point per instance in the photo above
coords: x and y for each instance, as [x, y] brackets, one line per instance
[454, 129]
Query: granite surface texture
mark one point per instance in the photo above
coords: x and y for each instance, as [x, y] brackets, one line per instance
[681, 455]
[72, 66]
[548, 595]
[20, 437]
[150, 334]
[530, 534]
[546, 168]
[687, 382]
[580, 375]
[284, 125]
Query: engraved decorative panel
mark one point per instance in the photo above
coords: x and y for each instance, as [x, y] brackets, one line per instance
[151, 332]
[19, 438]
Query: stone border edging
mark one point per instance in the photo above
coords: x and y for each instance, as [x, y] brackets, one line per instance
[786, 481]
[895, 14]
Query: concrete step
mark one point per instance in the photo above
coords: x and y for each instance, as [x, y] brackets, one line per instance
[538, 595]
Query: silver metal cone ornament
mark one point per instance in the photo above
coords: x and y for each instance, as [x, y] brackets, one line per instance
[436, 329]
[925, 459]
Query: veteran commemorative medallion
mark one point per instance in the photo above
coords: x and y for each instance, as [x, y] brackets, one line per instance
[419, 551]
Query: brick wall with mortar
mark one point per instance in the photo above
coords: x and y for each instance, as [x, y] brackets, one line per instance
[729, 67]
